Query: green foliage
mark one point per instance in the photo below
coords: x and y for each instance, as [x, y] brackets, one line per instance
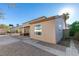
[17, 30]
[3, 26]
[66, 16]
[74, 28]
[76, 36]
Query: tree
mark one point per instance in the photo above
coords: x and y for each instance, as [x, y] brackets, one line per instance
[17, 25]
[5, 27]
[66, 16]
[74, 28]
[11, 25]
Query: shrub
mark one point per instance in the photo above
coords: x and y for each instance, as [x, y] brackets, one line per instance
[74, 28]
[76, 36]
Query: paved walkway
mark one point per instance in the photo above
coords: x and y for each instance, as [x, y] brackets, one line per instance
[72, 51]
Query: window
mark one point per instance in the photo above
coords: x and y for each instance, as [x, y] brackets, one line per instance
[60, 27]
[38, 29]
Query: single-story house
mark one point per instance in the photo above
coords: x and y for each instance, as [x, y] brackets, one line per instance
[46, 29]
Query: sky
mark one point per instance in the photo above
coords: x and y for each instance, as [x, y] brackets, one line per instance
[24, 12]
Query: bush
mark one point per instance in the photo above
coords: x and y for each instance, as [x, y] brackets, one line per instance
[74, 28]
[76, 36]
[71, 33]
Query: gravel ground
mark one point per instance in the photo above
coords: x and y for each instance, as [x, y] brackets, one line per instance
[20, 48]
[65, 42]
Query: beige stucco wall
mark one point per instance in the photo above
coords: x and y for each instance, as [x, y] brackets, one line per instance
[27, 29]
[48, 32]
[22, 30]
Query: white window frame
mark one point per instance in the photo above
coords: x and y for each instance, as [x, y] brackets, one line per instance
[37, 30]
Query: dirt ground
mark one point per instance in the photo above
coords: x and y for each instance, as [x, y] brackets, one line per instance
[14, 47]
